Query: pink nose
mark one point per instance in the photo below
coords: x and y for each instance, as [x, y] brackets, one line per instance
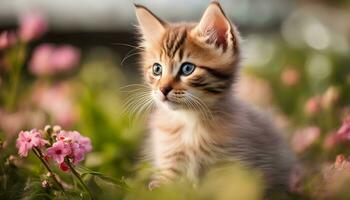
[165, 90]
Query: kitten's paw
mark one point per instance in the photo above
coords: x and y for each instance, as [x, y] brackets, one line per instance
[154, 184]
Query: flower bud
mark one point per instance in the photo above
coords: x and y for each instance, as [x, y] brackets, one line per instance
[48, 129]
[290, 76]
[64, 167]
[57, 128]
[13, 160]
[7, 39]
[312, 106]
[45, 184]
[330, 97]
[32, 26]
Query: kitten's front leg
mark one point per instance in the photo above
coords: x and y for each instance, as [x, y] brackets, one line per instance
[163, 176]
[169, 168]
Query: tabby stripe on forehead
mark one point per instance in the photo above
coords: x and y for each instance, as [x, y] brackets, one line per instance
[181, 53]
[174, 42]
[168, 43]
[179, 43]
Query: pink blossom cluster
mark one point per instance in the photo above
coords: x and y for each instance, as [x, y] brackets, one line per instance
[304, 138]
[7, 39]
[32, 26]
[57, 101]
[69, 144]
[340, 136]
[66, 144]
[344, 130]
[49, 59]
[27, 140]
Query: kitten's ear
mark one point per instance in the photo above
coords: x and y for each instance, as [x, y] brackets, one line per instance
[151, 26]
[214, 26]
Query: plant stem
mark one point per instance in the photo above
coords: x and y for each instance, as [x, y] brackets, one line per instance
[38, 153]
[17, 61]
[77, 175]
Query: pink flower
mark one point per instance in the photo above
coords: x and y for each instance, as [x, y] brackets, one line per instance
[12, 122]
[304, 138]
[57, 101]
[32, 26]
[312, 106]
[7, 39]
[59, 151]
[330, 141]
[344, 130]
[40, 64]
[65, 58]
[340, 136]
[78, 144]
[290, 76]
[48, 59]
[29, 139]
[80, 148]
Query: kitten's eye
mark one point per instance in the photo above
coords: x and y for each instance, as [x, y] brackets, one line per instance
[157, 69]
[187, 68]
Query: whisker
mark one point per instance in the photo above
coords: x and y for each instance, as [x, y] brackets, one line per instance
[128, 56]
[204, 109]
[136, 103]
[135, 90]
[138, 109]
[132, 100]
[128, 45]
[143, 109]
[134, 85]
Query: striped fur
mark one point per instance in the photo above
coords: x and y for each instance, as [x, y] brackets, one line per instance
[200, 122]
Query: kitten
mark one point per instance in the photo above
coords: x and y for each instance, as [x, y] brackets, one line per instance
[191, 69]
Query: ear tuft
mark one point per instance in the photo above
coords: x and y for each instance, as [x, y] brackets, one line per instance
[151, 26]
[214, 26]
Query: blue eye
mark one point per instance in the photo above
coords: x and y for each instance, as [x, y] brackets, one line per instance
[187, 68]
[157, 69]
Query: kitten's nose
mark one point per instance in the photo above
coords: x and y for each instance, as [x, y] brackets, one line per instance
[165, 90]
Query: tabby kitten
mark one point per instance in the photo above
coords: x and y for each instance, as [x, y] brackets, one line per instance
[191, 69]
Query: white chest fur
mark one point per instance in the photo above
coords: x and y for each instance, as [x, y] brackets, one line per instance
[191, 139]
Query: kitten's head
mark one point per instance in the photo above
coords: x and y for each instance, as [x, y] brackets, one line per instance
[189, 64]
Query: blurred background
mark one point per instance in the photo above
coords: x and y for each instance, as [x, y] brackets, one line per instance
[68, 62]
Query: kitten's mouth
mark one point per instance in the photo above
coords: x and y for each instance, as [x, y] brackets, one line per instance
[170, 103]
[164, 98]
[173, 105]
